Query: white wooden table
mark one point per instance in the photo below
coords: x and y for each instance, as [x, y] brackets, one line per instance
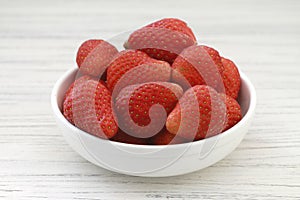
[38, 40]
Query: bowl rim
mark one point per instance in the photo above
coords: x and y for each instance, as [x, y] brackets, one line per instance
[58, 114]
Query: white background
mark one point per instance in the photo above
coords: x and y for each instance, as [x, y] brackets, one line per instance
[38, 41]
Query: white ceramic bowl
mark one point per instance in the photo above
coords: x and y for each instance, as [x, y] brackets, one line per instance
[151, 160]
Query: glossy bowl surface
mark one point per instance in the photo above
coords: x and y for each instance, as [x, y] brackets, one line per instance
[151, 160]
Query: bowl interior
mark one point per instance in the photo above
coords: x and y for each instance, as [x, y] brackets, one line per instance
[247, 99]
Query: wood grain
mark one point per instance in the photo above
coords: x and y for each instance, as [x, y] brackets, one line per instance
[38, 40]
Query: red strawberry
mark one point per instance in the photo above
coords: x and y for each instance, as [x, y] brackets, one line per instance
[200, 113]
[164, 137]
[198, 65]
[125, 138]
[93, 57]
[67, 103]
[132, 67]
[143, 108]
[233, 111]
[163, 39]
[87, 104]
[231, 79]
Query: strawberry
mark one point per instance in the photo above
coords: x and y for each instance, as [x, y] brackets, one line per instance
[93, 57]
[231, 79]
[132, 67]
[233, 111]
[87, 104]
[142, 108]
[163, 39]
[67, 103]
[123, 137]
[198, 65]
[200, 113]
[164, 137]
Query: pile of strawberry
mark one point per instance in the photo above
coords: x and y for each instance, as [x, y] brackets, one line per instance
[164, 88]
